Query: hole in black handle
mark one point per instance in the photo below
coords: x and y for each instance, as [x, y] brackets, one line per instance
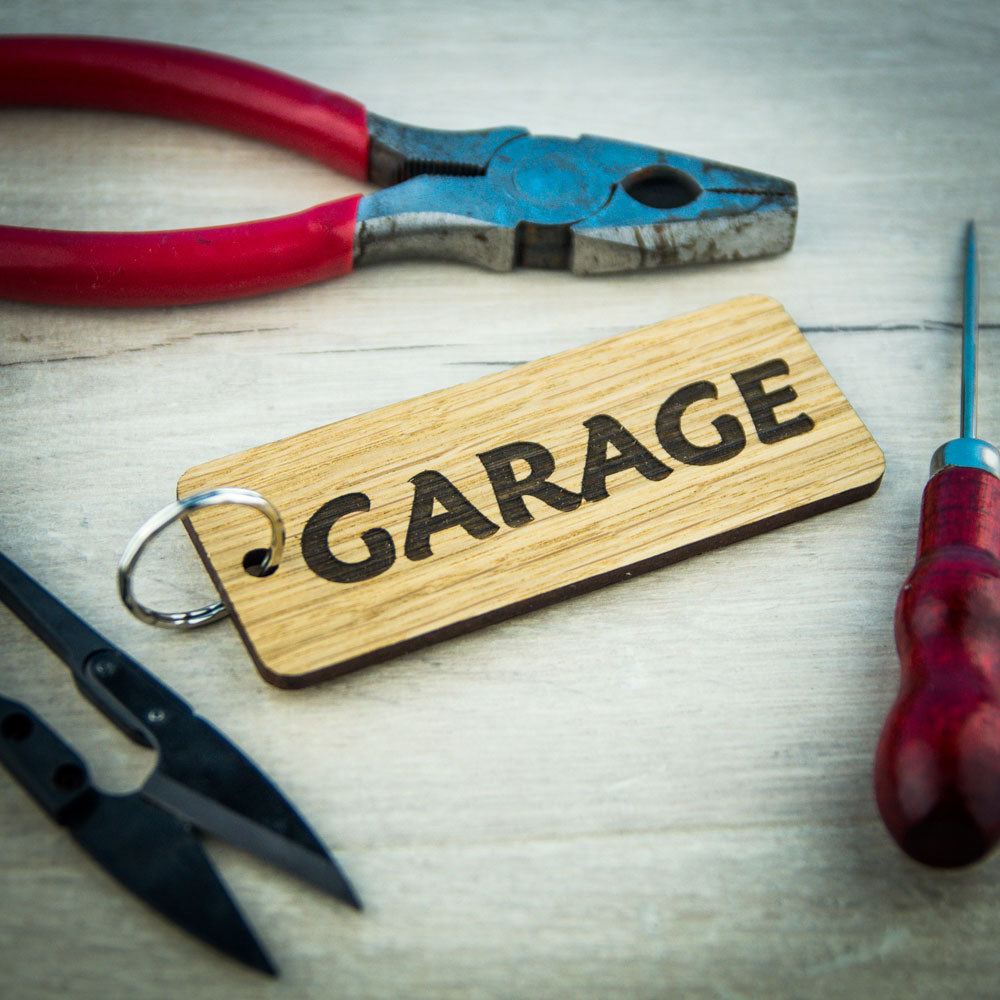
[16, 727]
[68, 777]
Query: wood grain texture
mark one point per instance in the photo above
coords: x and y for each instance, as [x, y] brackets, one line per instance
[660, 790]
[765, 438]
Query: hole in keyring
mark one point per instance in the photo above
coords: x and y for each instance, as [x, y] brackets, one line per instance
[253, 561]
[661, 187]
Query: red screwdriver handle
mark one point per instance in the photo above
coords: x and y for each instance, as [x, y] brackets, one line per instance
[937, 766]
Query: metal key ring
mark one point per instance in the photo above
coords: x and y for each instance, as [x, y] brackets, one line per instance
[180, 508]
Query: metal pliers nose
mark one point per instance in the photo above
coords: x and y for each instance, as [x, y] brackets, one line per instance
[497, 197]
[502, 198]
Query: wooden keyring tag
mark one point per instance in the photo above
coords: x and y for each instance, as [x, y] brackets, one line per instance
[449, 511]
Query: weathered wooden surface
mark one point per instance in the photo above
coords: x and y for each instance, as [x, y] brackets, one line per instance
[660, 789]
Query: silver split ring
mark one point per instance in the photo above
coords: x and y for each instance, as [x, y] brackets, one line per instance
[181, 508]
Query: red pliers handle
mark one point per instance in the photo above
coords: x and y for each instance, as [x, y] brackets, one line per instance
[494, 197]
[182, 266]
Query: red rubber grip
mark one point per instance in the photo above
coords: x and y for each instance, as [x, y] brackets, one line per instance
[179, 267]
[937, 766]
[183, 266]
[174, 82]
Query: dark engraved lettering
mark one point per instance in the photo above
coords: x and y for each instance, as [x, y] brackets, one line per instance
[668, 428]
[632, 454]
[316, 543]
[510, 491]
[762, 405]
[430, 487]
[611, 449]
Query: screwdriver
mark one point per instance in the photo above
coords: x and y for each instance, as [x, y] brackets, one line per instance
[937, 765]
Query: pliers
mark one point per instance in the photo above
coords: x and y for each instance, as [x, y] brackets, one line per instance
[496, 197]
[148, 839]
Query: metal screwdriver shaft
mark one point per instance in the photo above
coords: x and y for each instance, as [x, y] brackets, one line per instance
[968, 451]
[970, 333]
[937, 766]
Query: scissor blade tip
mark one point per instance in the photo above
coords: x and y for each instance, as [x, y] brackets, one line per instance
[336, 884]
[240, 942]
[268, 967]
[255, 958]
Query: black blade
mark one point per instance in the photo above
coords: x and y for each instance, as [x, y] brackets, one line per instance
[200, 774]
[66, 634]
[207, 780]
[152, 853]
[158, 858]
[316, 868]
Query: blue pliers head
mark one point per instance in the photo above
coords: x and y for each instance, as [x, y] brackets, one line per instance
[503, 198]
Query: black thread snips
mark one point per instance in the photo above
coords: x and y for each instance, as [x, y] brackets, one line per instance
[150, 839]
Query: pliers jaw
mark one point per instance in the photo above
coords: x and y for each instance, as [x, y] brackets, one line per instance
[502, 198]
[675, 209]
